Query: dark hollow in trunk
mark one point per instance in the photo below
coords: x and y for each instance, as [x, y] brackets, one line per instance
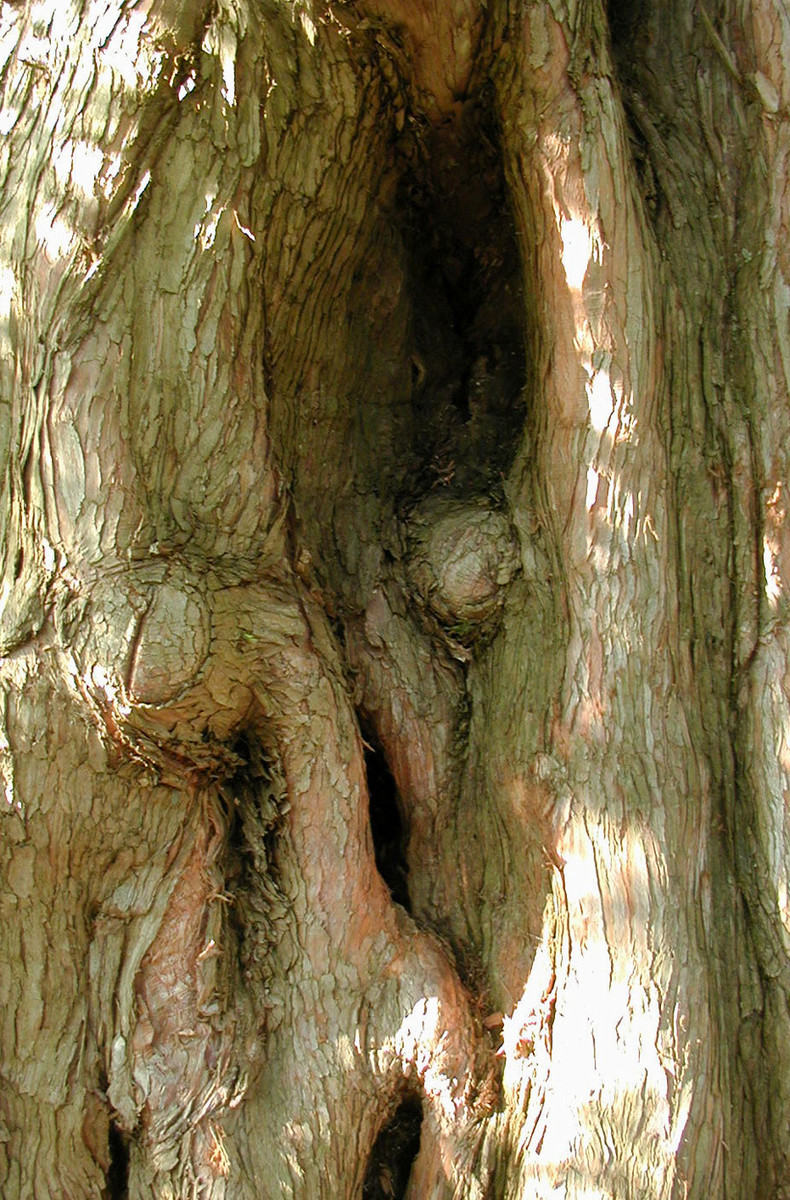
[390, 836]
[393, 1153]
[118, 1170]
[464, 273]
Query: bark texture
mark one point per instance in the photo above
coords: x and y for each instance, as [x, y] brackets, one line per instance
[394, 615]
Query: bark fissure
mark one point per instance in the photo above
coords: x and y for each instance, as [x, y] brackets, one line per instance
[393, 1152]
[118, 1170]
[463, 273]
[390, 837]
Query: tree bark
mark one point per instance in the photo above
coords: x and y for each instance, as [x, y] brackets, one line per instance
[394, 600]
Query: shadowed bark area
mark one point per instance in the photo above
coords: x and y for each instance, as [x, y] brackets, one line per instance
[393, 1153]
[393, 607]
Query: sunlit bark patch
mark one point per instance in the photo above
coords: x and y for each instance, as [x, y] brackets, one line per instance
[181, 1042]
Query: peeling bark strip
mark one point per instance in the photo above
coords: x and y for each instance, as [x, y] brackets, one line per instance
[393, 740]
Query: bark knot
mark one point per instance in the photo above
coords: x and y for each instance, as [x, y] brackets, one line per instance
[462, 557]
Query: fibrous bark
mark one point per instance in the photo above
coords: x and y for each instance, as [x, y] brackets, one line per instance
[393, 411]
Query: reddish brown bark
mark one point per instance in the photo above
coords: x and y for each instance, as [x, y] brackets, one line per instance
[410, 374]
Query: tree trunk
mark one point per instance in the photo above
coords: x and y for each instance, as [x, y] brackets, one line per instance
[395, 630]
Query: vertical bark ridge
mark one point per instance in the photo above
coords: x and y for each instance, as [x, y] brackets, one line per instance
[707, 135]
[761, 288]
[622, 752]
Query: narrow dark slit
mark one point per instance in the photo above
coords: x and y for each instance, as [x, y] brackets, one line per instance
[393, 1153]
[390, 837]
[118, 1170]
[254, 802]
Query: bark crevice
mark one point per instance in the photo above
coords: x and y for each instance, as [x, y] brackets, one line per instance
[387, 824]
[393, 1152]
[256, 903]
[118, 1168]
[463, 267]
